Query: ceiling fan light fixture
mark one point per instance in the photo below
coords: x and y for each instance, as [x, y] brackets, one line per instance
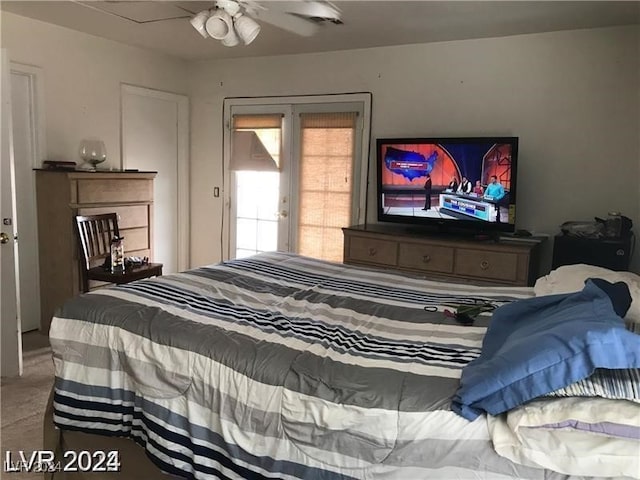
[219, 25]
[247, 28]
[231, 40]
[198, 22]
[234, 21]
[232, 7]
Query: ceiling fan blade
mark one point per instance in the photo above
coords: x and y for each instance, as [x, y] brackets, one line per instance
[287, 22]
[309, 8]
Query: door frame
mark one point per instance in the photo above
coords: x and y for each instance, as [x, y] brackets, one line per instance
[365, 98]
[182, 104]
[38, 147]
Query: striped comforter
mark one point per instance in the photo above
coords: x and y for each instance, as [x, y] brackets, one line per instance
[280, 366]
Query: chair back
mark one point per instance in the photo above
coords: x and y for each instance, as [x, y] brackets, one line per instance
[95, 233]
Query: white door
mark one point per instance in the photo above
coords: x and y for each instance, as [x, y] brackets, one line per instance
[260, 194]
[27, 151]
[155, 138]
[9, 306]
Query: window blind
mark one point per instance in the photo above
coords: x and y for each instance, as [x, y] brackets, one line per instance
[256, 121]
[325, 182]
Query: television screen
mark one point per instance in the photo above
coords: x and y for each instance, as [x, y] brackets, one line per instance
[458, 182]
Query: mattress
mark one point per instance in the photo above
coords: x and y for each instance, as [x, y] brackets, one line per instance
[280, 366]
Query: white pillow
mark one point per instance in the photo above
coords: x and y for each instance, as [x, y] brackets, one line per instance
[535, 435]
[571, 278]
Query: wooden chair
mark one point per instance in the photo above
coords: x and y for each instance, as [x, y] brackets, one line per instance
[95, 233]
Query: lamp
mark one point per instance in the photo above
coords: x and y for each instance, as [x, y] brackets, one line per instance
[249, 153]
[231, 40]
[198, 22]
[219, 25]
[247, 28]
[93, 151]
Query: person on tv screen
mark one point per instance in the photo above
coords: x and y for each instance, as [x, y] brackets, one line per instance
[465, 186]
[478, 190]
[427, 192]
[495, 192]
[453, 184]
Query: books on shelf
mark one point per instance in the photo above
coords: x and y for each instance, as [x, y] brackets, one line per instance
[59, 164]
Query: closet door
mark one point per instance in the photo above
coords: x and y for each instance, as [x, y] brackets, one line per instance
[155, 138]
[28, 147]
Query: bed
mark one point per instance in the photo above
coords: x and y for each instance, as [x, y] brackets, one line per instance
[278, 366]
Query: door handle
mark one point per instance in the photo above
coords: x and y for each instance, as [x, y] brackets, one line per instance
[283, 214]
[4, 238]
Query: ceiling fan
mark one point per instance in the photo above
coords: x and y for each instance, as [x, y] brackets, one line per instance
[234, 21]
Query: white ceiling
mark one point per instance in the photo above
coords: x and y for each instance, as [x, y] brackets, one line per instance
[164, 26]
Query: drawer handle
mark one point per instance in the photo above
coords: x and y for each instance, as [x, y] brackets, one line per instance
[426, 258]
[620, 252]
[372, 251]
[484, 265]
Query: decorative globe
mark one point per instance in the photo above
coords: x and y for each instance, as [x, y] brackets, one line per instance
[93, 151]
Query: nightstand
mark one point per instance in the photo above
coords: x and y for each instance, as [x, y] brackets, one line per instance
[611, 253]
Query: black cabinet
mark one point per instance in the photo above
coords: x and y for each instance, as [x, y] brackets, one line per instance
[611, 253]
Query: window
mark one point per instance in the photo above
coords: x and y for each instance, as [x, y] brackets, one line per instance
[325, 183]
[257, 192]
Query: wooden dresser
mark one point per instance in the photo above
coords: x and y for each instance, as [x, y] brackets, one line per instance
[440, 257]
[61, 195]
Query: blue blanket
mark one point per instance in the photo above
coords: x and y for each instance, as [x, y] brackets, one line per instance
[538, 345]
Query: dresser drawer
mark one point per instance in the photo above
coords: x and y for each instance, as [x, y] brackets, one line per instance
[372, 250]
[487, 264]
[107, 190]
[441, 257]
[135, 239]
[129, 216]
[429, 258]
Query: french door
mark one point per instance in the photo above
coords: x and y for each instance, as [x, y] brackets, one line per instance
[259, 196]
[310, 185]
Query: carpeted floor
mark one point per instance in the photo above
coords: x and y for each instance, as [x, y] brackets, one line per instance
[24, 400]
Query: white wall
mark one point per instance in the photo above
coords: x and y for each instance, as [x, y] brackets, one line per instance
[82, 78]
[572, 98]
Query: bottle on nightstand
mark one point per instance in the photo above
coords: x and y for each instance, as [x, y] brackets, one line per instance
[613, 225]
[117, 255]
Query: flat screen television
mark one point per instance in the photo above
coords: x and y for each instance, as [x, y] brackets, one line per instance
[472, 182]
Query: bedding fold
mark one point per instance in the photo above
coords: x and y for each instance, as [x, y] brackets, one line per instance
[539, 345]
